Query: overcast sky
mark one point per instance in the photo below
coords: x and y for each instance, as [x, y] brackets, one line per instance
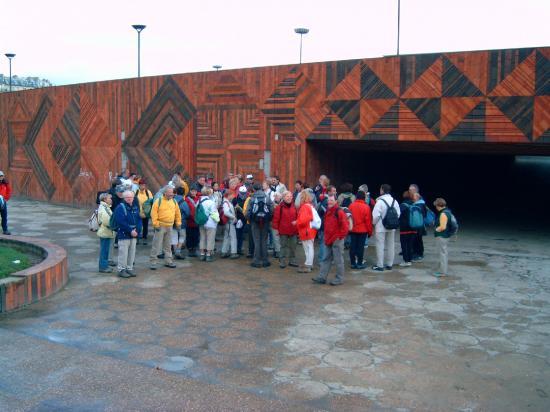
[73, 41]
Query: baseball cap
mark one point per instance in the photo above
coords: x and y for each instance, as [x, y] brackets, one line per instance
[249, 177]
[242, 189]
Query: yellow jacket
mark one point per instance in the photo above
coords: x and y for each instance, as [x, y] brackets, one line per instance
[245, 207]
[167, 214]
[103, 217]
[142, 197]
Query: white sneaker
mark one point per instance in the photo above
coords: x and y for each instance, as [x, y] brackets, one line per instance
[405, 264]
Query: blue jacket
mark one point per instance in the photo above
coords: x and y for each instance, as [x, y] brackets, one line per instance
[127, 219]
[184, 210]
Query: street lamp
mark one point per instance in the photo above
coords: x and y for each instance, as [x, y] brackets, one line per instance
[10, 56]
[301, 31]
[217, 67]
[139, 28]
[398, 23]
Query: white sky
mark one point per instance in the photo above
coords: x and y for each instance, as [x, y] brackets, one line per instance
[73, 41]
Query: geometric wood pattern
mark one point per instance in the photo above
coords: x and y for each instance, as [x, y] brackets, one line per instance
[62, 144]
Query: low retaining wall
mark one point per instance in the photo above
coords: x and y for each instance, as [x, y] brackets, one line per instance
[37, 282]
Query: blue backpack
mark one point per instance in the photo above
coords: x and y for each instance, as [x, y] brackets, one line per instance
[416, 218]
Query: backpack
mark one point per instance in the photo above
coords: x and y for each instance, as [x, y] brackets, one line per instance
[316, 221]
[200, 214]
[452, 224]
[113, 225]
[93, 221]
[346, 202]
[391, 219]
[416, 218]
[349, 216]
[430, 217]
[260, 211]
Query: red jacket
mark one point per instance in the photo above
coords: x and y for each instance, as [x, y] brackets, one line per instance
[283, 216]
[336, 225]
[191, 219]
[5, 190]
[362, 217]
[305, 216]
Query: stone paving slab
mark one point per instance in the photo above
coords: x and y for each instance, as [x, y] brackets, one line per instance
[397, 340]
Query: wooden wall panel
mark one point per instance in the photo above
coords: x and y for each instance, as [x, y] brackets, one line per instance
[62, 144]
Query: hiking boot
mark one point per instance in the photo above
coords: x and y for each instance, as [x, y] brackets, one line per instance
[361, 266]
[336, 282]
[225, 255]
[234, 256]
[388, 267]
[170, 265]
[405, 264]
[304, 269]
[203, 258]
[418, 259]
[179, 256]
[209, 258]
[256, 265]
[108, 270]
[266, 264]
[293, 264]
[153, 267]
[123, 274]
[354, 266]
[161, 256]
[112, 263]
[6, 232]
[192, 253]
[282, 265]
[319, 281]
[378, 268]
[131, 273]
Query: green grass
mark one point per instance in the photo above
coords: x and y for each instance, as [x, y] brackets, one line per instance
[7, 256]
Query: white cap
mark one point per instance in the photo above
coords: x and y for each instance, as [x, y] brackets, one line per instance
[242, 189]
[1, 173]
[249, 177]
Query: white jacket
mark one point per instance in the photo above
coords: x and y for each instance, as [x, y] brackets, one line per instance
[229, 211]
[209, 207]
[380, 210]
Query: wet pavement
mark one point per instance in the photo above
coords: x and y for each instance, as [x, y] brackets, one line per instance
[225, 336]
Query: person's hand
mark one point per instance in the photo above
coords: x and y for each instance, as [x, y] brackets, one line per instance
[134, 233]
[293, 223]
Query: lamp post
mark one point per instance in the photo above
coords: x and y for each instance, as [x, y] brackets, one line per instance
[10, 56]
[217, 67]
[301, 31]
[139, 28]
[398, 23]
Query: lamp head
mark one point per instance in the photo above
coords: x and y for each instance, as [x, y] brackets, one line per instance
[139, 27]
[10, 55]
[301, 30]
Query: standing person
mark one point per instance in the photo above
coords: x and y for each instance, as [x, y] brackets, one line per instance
[143, 194]
[336, 230]
[208, 229]
[305, 231]
[217, 194]
[165, 215]
[230, 232]
[200, 183]
[105, 233]
[277, 186]
[322, 207]
[298, 187]
[128, 225]
[249, 182]
[178, 181]
[444, 229]
[240, 225]
[284, 222]
[180, 236]
[362, 229]
[259, 211]
[385, 236]
[407, 234]
[192, 233]
[275, 238]
[369, 200]
[345, 199]
[5, 195]
[321, 189]
[418, 241]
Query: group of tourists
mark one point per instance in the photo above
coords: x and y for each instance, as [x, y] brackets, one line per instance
[186, 217]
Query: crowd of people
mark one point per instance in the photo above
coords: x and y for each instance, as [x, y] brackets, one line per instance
[186, 217]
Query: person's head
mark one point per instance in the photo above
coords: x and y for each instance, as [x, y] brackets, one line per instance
[265, 185]
[331, 190]
[331, 201]
[207, 191]
[385, 189]
[168, 192]
[275, 180]
[215, 186]
[277, 197]
[120, 191]
[406, 195]
[128, 196]
[2, 176]
[346, 187]
[298, 185]
[202, 180]
[287, 197]
[180, 191]
[106, 198]
[229, 194]
[193, 191]
[256, 187]
[249, 178]
[324, 180]
[233, 182]
[132, 176]
[243, 192]
[413, 188]
[415, 197]
[360, 195]
[364, 188]
[142, 184]
[305, 197]
[440, 203]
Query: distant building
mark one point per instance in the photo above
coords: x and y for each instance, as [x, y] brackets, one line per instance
[22, 83]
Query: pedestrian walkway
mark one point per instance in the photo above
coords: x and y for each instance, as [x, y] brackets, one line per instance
[227, 336]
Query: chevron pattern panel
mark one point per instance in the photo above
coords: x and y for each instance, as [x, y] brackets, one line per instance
[64, 144]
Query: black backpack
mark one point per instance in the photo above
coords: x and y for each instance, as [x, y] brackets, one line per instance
[260, 210]
[391, 219]
[346, 202]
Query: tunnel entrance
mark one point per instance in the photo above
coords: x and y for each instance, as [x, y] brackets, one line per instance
[501, 184]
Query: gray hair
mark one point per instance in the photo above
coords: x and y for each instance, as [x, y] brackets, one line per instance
[165, 188]
[128, 193]
[207, 191]
[364, 188]
[104, 196]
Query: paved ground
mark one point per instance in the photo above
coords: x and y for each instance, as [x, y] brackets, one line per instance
[224, 336]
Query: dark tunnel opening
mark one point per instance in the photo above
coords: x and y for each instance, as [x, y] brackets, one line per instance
[486, 188]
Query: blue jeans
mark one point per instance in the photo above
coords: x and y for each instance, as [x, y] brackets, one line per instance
[322, 246]
[4, 214]
[104, 245]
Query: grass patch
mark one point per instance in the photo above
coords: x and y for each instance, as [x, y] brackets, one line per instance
[7, 256]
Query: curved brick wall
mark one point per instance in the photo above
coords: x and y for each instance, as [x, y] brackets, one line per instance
[37, 282]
